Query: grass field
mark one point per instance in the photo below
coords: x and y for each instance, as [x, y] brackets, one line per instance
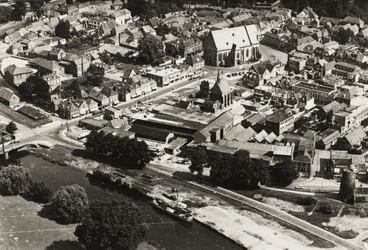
[22, 227]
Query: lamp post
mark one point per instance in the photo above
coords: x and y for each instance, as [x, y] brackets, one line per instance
[67, 121]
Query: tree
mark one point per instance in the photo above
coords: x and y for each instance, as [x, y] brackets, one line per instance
[96, 70]
[347, 186]
[62, 29]
[242, 169]
[285, 172]
[34, 85]
[36, 5]
[221, 165]
[14, 180]
[204, 91]
[343, 36]
[112, 224]
[151, 49]
[131, 151]
[40, 192]
[198, 159]
[142, 8]
[19, 10]
[70, 203]
[11, 128]
[5, 14]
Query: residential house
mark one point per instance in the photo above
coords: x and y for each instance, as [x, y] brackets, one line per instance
[8, 97]
[111, 94]
[100, 98]
[353, 21]
[68, 110]
[17, 75]
[13, 37]
[53, 81]
[122, 16]
[196, 62]
[232, 46]
[92, 105]
[56, 54]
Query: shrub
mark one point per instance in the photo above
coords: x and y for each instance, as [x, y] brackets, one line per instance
[70, 203]
[305, 201]
[14, 180]
[40, 192]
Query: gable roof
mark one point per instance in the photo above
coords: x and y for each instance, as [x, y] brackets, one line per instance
[221, 86]
[6, 93]
[215, 124]
[14, 70]
[356, 136]
[242, 36]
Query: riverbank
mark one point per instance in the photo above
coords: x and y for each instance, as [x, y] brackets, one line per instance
[202, 203]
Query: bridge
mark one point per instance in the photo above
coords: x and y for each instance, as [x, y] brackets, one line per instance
[18, 145]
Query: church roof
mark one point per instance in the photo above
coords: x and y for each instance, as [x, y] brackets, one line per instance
[221, 86]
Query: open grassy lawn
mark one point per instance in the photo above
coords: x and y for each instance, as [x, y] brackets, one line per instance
[21, 227]
[20, 118]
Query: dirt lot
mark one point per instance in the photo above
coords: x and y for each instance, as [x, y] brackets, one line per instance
[326, 212]
[20, 118]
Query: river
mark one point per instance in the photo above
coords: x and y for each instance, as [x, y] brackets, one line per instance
[168, 232]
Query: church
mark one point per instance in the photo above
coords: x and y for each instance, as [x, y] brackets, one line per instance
[231, 46]
[221, 92]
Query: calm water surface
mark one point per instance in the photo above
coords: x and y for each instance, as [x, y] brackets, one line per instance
[168, 232]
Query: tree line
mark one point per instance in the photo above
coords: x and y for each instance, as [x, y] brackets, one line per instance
[239, 170]
[128, 151]
[337, 8]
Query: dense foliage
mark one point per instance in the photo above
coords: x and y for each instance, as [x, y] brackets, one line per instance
[337, 8]
[14, 180]
[62, 29]
[112, 224]
[5, 14]
[151, 50]
[80, 42]
[238, 170]
[285, 172]
[11, 128]
[127, 151]
[19, 10]
[70, 203]
[198, 160]
[34, 85]
[40, 192]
